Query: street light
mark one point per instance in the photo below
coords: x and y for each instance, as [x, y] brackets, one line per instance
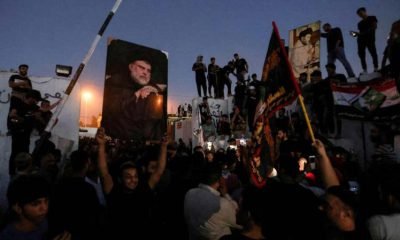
[86, 97]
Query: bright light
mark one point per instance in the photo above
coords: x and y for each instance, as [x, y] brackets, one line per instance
[87, 96]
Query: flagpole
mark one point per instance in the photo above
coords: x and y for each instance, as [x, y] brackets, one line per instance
[52, 122]
[295, 83]
[78, 72]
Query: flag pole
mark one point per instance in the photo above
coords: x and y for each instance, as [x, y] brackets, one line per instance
[295, 83]
[78, 72]
[64, 97]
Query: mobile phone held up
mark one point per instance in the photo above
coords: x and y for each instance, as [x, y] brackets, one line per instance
[311, 161]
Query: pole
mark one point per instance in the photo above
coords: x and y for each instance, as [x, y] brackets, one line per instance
[78, 72]
[64, 97]
[296, 85]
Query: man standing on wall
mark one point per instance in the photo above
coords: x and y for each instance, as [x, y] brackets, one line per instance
[366, 38]
[335, 47]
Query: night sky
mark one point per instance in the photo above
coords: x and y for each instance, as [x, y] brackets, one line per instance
[49, 32]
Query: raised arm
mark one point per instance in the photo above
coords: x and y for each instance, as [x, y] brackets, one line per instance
[162, 162]
[327, 172]
[105, 175]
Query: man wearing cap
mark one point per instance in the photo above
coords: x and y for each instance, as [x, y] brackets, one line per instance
[21, 121]
[135, 111]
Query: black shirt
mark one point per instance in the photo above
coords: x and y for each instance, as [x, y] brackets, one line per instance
[130, 211]
[26, 119]
[241, 65]
[332, 37]
[200, 70]
[367, 29]
[18, 78]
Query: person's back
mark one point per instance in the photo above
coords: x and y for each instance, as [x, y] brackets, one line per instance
[75, 207]
[291, 212]
[74, 202]
[207, 214]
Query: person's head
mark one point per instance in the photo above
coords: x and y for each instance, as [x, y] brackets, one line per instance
[27, 196]
[211, 175]
[151, 159]
[254, 76]
[205, 99]
[45, 104]
[140, 71]
[389, 186]
[199, 58]
[172, 148]
[305, 36]
[236, 56]
[289, 166]
[381, 134]
[303, 78]
[340, 208]
[327, 27]
[23, 69]
[79, 161]
[362, 12]
[316, 76]
[23, 163]
[330, 69]
[32, 97]
[212, 60]
[129, 175]
[282, 134]
[209, 156]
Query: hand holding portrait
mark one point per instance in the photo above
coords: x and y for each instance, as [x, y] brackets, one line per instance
[144, 92]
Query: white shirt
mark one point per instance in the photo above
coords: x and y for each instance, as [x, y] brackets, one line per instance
[220, 222]
[384, 227]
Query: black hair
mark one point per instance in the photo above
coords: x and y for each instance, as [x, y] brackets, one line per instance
[23, 65]
[79, 159]
[211, 174]
[27, 188]
[361, 9]
[316, 73]
[305, 32]
[326, 25]
[345, 195]
[127, 165]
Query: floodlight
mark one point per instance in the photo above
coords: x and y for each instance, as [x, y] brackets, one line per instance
[63, 70]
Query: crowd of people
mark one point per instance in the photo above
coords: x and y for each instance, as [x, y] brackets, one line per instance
[121, 189]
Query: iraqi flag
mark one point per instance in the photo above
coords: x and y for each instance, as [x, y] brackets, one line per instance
[375, 100]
